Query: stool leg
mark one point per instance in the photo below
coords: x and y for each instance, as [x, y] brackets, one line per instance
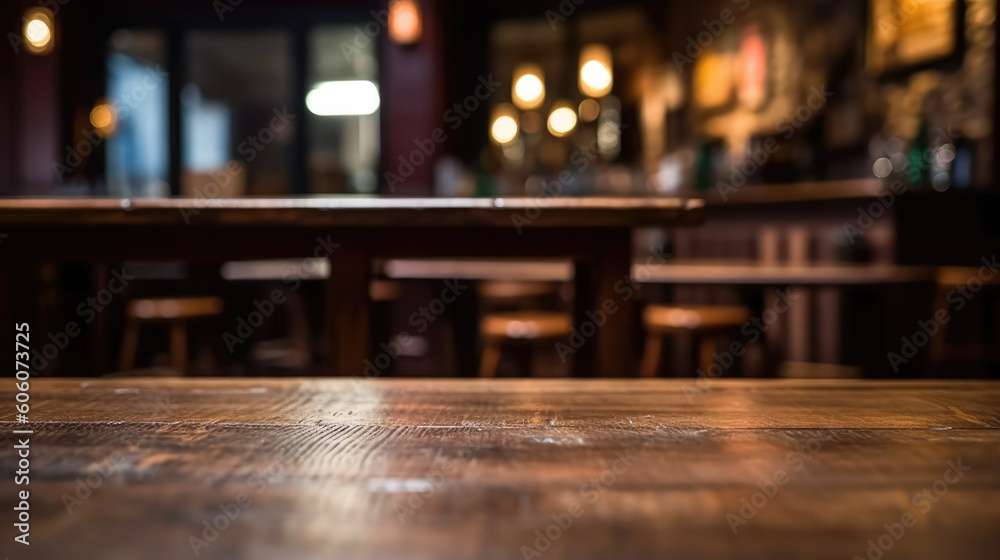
[938, 348]
[448, 358]
[490, 361]
[652, 355]
[178, 347]
[706, 347]
[523, 355]
[130, 344]
[570, 362]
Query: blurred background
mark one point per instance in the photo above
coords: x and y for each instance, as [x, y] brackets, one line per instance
[845, 150]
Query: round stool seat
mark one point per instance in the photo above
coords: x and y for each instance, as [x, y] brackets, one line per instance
[504, 291]
[384, 290]
[672, 318]
[154, 309]
[526, 325]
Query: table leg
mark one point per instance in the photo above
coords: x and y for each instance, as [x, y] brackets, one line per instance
[349, 309]
[6, 307]
[99, 335]
[465, 333]
[615, 354]
[583, 301]
[799, 336]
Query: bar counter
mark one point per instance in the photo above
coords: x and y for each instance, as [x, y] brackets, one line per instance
[370, 468]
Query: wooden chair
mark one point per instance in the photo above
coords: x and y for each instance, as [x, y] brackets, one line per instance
[948, 279]
[518, 327]
[176, 311]
[704, 323]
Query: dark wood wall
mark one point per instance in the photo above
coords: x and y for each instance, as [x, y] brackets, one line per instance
[29, 119]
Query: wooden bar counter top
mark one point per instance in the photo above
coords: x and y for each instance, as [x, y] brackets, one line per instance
[440, 469]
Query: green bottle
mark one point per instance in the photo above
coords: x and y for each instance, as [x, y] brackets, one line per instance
[918, 170]
[703, 167]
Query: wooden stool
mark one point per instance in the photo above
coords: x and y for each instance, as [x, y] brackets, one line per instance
[529, 327]
[515, 291]
[702, 322]
[177, 312]
[503, 295]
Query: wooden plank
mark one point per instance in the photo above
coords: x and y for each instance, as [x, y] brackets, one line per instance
[474, 468]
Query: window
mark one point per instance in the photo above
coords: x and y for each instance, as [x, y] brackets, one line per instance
[137, 153]
[239, 119]
[343, 104]
[235, 107]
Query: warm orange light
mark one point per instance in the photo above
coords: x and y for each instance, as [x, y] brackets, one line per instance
[406, 24]
[528, 89]
[504, 129]
[504, 124]
[39, 30]
[713, 78]
[104, 118]
[595, 71]
[562, 119]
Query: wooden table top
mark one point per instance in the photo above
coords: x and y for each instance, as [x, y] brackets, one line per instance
[689, 271]
[351, 468]
[692, 271]
[356, 211]
[754, 272]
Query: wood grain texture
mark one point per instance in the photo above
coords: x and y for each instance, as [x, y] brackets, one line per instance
[443, 469]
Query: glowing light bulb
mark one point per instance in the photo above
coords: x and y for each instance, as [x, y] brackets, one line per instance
[104, 118]
[562, 121]
[38, 30]
[595, 71]
[349, 97]
[504, 129]
[529, 86]
[406, 24]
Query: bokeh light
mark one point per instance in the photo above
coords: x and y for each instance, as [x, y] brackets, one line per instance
[595, 71]
[562, 121]
[104, 118]
[405, 22]
[529, 86]
[38, 30]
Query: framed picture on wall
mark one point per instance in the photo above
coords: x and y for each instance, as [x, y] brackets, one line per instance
[906, 34]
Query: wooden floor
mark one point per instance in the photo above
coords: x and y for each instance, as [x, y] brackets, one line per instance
[387, 469]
